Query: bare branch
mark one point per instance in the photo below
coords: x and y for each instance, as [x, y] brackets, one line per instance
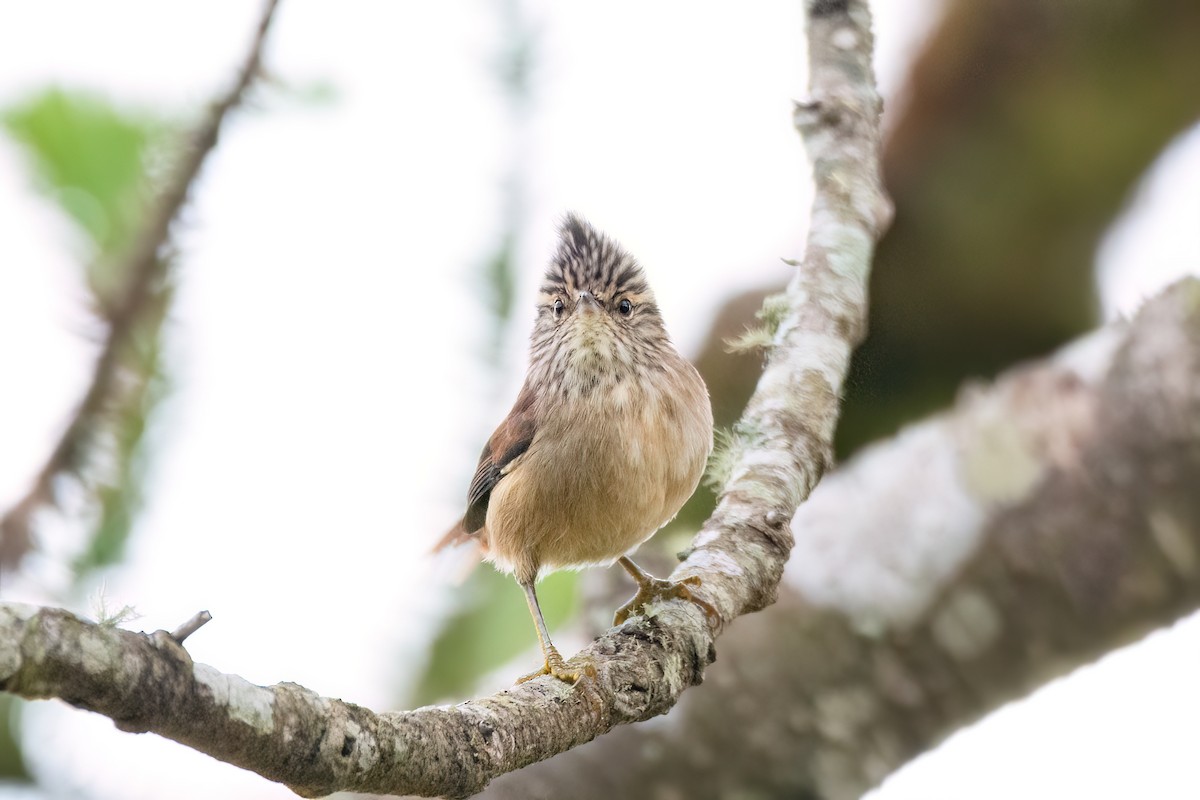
[146, 271]
[194, 624]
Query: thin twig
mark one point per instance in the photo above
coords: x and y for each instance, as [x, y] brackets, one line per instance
[198, 621]
[145, 268]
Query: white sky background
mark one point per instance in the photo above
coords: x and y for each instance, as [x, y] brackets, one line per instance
[328, 398]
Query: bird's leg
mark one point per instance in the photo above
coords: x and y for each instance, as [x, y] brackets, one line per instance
[555, 665]
[651, 589]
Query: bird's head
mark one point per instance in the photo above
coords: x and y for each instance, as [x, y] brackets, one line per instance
[597, 319]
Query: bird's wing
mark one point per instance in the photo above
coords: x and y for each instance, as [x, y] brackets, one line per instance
[510, 440]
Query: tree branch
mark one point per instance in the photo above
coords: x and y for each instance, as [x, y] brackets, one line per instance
[785, 435]
[1043, 520]
[145, 268]
[318, 745]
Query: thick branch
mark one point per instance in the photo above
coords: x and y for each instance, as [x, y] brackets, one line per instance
[317, 745]
[145, 270]
[1042, 521]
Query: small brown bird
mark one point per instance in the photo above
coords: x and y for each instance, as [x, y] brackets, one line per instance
[607, 440]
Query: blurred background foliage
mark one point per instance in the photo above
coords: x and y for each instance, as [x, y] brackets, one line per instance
[1022, 131]
[93, 160]
[89, 157]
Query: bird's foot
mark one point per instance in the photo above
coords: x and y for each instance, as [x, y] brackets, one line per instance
[651, 590]
[556, 666]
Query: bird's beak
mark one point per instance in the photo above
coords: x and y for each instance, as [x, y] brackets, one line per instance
[587, 302]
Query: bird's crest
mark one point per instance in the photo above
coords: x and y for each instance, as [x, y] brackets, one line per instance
[587, 260]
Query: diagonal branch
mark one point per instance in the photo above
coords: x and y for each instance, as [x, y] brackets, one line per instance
[786, 432]
[145, 267]
[319, 745]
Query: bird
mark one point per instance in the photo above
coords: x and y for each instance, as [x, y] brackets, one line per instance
[608, 438]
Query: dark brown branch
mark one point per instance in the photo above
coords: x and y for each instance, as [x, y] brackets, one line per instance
[318, 745]
[145, 268]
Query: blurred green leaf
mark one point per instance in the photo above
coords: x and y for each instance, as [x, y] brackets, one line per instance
[492, 627]
[12, 763]
[90, 158]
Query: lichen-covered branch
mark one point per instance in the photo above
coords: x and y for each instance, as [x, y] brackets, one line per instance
[1043, 520]
[138, 303]
[318, 745]
[786, 432]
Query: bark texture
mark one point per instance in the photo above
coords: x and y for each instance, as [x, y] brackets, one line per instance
[1041, 522]
[319, 745]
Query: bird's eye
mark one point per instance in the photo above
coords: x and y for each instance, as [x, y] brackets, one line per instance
[558, 308]
[625, 307]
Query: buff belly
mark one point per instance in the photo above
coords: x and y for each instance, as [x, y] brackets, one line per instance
[588, 492]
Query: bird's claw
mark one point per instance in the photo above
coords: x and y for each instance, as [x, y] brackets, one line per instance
[556, 666]
[657, 589]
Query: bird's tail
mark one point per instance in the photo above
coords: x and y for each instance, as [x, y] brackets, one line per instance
[455, 536]
[457, 553]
